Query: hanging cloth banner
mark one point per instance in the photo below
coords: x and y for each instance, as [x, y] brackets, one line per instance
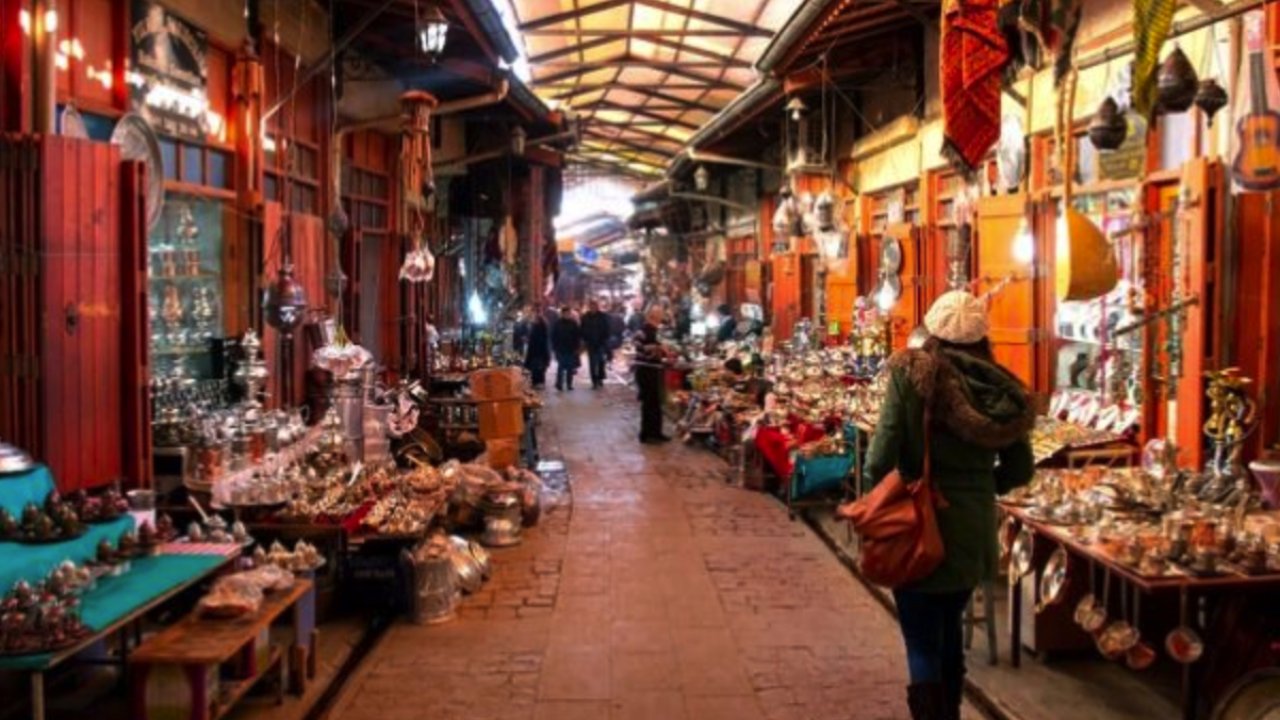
[973, 56]
[1152, 20]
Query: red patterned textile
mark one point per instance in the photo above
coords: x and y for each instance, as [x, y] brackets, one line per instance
[973, 56]
[775, 445]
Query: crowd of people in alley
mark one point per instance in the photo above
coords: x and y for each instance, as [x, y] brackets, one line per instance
[593, 333]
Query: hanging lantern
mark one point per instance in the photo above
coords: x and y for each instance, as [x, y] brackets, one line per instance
[824, 212]
[701, 178]
[1210, 98]
[433, 32]
[518, 141]
[1109, 127]
[796, 109]
[286, 300]
[1176, 83]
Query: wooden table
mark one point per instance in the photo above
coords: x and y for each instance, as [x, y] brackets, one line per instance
[1190, 589]
[130, 620]
[180, 666]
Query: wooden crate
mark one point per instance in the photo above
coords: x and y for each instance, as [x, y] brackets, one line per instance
[500, 418]
[503, 453]
[497, 383]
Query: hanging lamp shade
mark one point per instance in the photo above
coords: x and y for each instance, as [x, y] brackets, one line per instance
[286, 300]
[433, 31]
[1084, 262]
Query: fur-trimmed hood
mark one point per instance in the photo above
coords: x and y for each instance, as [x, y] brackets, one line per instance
[977, 401]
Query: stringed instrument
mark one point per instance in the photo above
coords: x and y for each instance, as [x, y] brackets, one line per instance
[1257, 162]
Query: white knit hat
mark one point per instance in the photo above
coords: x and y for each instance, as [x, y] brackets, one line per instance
[957, 317]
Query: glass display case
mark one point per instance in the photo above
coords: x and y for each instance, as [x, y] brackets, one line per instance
[1097, 377]
[185, 287]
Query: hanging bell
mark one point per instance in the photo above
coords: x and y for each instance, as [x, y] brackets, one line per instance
[1210, 98]
[1176, 83]
[286, 300]
[1109, 127]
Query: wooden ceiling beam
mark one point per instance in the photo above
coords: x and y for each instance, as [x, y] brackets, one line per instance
[568, 87]
[610, 166]
[741, 27]
[647, 91]
[724, 60]
[677, 69]
[642, 112]
[641, 128]
[572, 49]
[602, 137]
[628, 33]
[630, 61]
[575, 14]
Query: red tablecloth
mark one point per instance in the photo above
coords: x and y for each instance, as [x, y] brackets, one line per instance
[775, 446]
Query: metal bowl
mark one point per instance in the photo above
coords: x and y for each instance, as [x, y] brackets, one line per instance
[1054, 578]
[1020, 554]
[13, 460]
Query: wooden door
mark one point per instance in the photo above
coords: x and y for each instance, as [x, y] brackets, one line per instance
[1014, 309]
[80, 375]
[842, 293]
[1256, 322]
[784, 294]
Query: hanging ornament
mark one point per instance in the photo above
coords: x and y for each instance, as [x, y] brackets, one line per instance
[341, 357]
[286, 300]
[1176, 83]
[1210, 98]
[419, 265]
[1109, 127]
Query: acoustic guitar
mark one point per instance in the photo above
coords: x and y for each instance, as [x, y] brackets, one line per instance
[1257, 162]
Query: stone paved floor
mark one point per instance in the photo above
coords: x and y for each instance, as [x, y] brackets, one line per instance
[667, 594]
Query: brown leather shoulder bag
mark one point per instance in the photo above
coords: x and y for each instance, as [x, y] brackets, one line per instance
[897, 527]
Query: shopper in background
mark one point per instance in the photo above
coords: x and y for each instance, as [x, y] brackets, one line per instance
[537, 354]
[520, 330]
[649, 366]
[595, 336]
[728, 326]
[979, 418]
[566, 343]
[617, 329]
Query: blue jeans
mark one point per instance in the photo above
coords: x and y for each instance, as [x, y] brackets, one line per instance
[933, 630]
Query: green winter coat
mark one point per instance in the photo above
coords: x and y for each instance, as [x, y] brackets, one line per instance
[979, 447]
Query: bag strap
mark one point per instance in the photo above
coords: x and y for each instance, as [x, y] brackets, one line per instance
[925, 467]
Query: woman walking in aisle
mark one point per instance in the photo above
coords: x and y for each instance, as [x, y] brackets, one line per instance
[979, 417]
[649, 365]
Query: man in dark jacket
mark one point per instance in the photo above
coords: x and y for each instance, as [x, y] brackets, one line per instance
[566, 343]
[595, 335]
[537, 354]
[520, 331]
[617, 329]
[650, 360]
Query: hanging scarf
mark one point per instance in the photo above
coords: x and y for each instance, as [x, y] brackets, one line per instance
[973, 56]
[1151, 22]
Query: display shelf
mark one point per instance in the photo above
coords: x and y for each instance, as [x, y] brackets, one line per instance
[186, 305]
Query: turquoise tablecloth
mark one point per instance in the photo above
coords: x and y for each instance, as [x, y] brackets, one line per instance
[33, 562]
[18, 490]
[116, 597]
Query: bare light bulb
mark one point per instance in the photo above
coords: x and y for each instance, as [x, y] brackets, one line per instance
[1024, 244]
[884, 297]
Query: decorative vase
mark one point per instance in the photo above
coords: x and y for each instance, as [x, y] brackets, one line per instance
[1176, 82]
[1109, 128]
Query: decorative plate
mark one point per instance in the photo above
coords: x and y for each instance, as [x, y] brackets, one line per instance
[137, 141]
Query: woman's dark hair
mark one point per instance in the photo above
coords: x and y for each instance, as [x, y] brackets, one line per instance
[733, 365]
[980, 349]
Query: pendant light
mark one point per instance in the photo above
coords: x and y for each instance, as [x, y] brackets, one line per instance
[432, 31]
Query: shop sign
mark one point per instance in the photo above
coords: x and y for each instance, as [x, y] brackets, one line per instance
[169, 72]
[1126, 161]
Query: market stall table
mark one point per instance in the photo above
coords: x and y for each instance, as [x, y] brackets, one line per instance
[1188, 587]
[179, 667]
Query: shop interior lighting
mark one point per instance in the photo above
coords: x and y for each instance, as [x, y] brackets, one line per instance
[701, 178]
[884, 297]
[796, 109]
[1024, 243]
[476, 310]
[433, 31]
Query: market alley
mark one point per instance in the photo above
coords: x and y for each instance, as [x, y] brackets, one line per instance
[662, 593]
